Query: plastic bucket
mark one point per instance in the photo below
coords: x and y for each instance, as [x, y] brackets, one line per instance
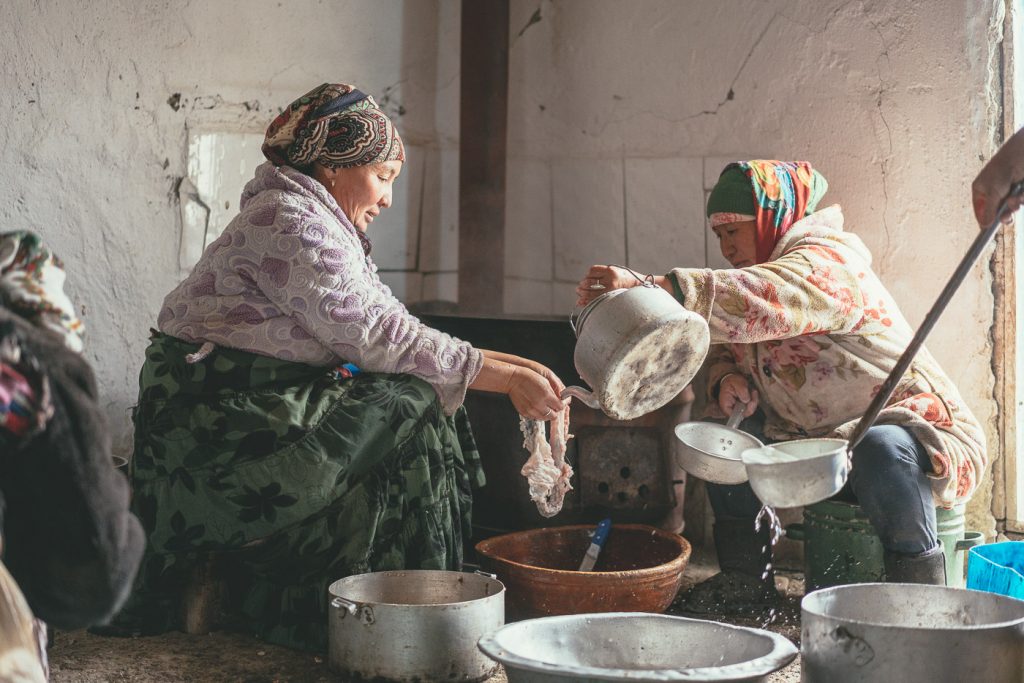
[997, 568]
[841, 547]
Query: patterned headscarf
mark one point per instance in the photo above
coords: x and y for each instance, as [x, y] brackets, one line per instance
[333, 124]
[32, 285]
[783, 193]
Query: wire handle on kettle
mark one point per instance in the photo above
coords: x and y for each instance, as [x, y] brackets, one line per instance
[645, 281]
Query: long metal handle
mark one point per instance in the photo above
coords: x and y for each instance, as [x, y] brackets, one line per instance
[342, 603]
[882, 397]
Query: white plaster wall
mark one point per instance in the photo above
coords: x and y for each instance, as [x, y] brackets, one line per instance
[633, 108]
[92, 149]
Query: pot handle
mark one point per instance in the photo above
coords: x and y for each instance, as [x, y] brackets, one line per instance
[347, 605]
[970, 539]
[486, 575]
[587, 397]
[796, 532]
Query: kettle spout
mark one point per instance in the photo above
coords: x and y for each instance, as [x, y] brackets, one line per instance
[587, 397]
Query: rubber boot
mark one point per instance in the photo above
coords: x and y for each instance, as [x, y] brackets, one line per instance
[928, 567]
[746, 584]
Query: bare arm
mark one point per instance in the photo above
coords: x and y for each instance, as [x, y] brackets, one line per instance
[994, 180]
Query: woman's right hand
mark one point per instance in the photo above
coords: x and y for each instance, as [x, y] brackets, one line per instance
[534, 395]
[735, 388]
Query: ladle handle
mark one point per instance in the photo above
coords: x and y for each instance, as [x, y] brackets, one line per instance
[737, 414]
[979, 244]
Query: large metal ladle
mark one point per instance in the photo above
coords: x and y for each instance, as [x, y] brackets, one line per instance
[822, 465]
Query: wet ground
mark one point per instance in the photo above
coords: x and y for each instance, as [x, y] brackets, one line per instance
[79, 657]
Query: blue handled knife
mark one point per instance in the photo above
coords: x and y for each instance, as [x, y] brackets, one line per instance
[596, 543]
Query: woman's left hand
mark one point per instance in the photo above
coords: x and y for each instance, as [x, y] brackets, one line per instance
[601, 279]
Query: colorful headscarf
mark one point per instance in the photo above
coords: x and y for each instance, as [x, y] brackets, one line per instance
[333, 124]
[32, 285]
[774, 193]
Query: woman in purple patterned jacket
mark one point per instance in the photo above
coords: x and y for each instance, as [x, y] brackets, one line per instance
[291, 408]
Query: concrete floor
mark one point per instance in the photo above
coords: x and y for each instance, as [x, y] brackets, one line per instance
[79, 657]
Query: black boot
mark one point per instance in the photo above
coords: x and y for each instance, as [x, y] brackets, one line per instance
[746, 584]
[928, 567]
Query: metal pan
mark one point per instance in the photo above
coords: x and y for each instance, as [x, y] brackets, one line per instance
[711, 452]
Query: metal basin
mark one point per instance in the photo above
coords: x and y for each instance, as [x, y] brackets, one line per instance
[416, 625]
[796, 473]
[635, 647]
[711, 452]
[910, 633]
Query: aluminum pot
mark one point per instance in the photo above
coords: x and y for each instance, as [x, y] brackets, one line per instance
[638, 348]
[800, 472]
[621, 646]
[910, 633]
[416, 625]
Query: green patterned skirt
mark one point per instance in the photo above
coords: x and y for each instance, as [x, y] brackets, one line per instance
[296, 475]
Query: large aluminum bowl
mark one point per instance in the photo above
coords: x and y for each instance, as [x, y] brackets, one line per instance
[635, 647]
[711, 452]
[796, 473]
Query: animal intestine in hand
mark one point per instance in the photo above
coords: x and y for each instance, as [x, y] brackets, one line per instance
[546, 470]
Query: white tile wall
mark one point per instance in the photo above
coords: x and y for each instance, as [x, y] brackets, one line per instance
[444, 287]
[439, 240]
[563, 298]
[395, 233]
[588, 205]
[527, 297]
[664, 217]
[528, 220]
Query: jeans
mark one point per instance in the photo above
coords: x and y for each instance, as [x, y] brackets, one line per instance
[888, 480]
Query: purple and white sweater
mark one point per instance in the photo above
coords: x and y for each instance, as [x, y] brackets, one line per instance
[289, 278]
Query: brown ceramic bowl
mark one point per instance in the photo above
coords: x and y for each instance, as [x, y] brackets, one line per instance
[639, 570]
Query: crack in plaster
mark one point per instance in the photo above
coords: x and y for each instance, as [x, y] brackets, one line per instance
[730, 94]
[882, 89]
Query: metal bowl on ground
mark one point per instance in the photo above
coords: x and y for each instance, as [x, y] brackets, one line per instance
[796, 473]
[639, 570]
[711, 452]
[415, 625]
[910, 633]
[635, 647]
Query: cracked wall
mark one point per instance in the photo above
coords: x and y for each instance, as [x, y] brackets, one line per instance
[623, 113]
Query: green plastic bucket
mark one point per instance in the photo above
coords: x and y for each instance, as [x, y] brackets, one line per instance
[841, 547]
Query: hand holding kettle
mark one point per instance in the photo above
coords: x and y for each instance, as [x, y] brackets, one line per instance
[600, 279]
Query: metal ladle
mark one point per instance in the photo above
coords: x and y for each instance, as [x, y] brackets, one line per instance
[821, 466]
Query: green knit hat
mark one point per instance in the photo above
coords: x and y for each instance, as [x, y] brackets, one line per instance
[733, 193]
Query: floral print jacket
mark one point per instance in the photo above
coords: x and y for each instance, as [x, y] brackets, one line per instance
[816, 333]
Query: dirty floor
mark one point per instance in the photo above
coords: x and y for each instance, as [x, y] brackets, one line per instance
[79, 657]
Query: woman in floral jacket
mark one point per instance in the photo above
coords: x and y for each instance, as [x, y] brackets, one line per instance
[805, 330]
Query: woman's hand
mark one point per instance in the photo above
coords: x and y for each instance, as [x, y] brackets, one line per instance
[534, 389]
[994, 181]
[535, 395]
[608, 277]
[732, 388]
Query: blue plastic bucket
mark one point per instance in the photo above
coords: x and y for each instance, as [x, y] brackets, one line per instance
[997, 568]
